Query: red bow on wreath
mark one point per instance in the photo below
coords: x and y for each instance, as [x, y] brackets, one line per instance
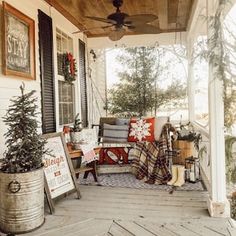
[69, 67]
[72, 64]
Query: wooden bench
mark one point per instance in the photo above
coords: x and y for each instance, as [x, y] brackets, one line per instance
[116, 149]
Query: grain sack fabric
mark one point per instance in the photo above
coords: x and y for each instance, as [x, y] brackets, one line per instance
[150, 162]
[115, 133]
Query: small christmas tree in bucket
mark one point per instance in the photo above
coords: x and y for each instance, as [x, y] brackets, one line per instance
[21, 174]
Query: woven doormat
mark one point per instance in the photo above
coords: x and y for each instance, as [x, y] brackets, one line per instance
[127, 180]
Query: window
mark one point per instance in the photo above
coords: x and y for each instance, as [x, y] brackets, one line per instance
[200, 77]
[66, 90]
[66, 103]
[64, 44]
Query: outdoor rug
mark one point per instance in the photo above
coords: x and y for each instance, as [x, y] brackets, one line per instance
[127, 180]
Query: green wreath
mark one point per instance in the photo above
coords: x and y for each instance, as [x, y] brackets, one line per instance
[69, 67]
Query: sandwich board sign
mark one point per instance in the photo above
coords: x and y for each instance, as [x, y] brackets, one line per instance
[59, 174]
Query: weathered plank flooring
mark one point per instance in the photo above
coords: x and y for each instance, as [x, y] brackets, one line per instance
[126, 212]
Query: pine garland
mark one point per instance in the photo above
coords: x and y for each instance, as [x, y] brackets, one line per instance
[25, 147]
[233, 206]
[69, 67]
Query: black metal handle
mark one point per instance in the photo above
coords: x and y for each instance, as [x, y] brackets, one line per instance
[14, 186]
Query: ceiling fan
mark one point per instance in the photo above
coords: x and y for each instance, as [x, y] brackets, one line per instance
[119, 22]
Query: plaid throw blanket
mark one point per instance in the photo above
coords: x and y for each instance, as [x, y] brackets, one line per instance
[150, 162]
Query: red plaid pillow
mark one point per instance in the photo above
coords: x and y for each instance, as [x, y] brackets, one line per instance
[141, 130]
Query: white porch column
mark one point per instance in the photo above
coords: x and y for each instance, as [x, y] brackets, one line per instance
[218, 204]
[190, 82]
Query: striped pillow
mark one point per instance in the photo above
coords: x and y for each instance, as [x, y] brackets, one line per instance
[115, 133]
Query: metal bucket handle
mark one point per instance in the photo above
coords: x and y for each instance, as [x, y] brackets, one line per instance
[14, 186]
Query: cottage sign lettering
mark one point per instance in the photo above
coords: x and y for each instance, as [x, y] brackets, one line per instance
[18, 43]
[18, 50]
[56, 168]
[59, 174]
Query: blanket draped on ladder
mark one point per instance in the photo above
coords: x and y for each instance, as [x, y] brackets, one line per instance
[150, 162]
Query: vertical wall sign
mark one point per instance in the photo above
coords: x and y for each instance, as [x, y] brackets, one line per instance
[18, 43]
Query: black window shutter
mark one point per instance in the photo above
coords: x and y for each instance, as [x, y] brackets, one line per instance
[47, 73]
[83, 84]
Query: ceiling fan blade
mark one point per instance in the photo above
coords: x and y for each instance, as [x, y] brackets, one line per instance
[140, 19]
[145, 29]
[94, 28]
[116, 34]
[104, 20]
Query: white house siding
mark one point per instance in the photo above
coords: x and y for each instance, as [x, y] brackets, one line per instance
[97, 85]
[9, 85]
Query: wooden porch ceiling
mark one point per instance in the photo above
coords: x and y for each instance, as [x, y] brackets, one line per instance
[173, 15]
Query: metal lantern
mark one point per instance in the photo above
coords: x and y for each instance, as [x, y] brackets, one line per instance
[192, 166]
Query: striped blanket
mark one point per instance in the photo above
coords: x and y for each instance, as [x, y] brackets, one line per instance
[150, 162]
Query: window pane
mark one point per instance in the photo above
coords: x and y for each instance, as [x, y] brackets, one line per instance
[64, 44]
[59, 63]
[70, 45]
[66, 91]
[59, 49]
[66, 103]
[70, 113]
[65, 113]
[60, 114]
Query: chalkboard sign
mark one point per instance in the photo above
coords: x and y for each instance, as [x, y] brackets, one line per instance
[18, 56]
[58, 170]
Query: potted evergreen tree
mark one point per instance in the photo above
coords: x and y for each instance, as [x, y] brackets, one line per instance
[21, 173]
[76, 129]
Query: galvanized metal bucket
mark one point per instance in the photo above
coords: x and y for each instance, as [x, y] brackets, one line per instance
[21, 201]
[75, 137]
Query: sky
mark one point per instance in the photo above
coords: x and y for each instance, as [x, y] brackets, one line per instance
[112, 66]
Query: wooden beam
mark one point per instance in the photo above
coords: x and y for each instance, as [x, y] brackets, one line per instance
[163, 14]
[183, 29]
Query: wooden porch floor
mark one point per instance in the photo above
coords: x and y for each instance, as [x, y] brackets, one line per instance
[126, 212]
